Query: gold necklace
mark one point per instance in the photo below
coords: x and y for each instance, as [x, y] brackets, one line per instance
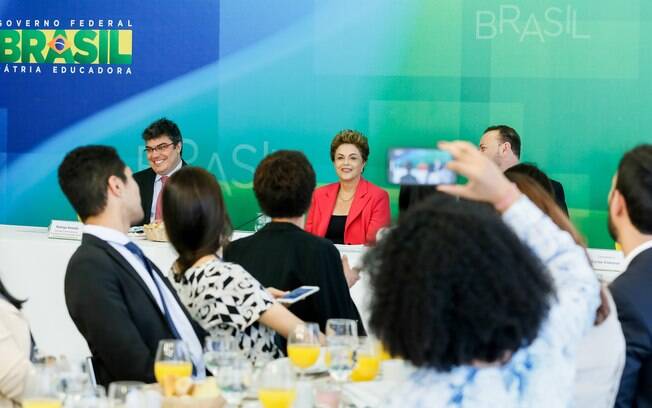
[339, 197]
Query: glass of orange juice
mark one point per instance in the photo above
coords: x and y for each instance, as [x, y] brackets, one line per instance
[172, 361]
[303, 345]
[367, 363]
[42, 388]
[277, 385]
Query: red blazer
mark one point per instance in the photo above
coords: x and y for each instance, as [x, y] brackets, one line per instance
[369, 212]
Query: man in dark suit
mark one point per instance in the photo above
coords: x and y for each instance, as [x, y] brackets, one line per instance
[502, 145]
[163, 146]
[118, 299]
[630, 224]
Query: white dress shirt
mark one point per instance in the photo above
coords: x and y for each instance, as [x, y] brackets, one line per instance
[636, 251]
[158, 186]
[600, 363]
[118, 240]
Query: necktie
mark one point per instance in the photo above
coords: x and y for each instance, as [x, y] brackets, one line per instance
[134, 249]
[158, 215]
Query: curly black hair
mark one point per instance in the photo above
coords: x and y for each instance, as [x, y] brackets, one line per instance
[452, 284]
[283, 184]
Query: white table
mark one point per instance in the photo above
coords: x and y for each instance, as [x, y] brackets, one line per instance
[33, 267]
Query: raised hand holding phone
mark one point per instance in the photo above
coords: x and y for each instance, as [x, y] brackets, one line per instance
[486, 182]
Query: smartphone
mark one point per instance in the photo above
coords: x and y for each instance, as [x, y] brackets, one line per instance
[415, 166]
[298, 294]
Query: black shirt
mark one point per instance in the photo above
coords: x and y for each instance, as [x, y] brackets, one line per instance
[335, 231]
[284, 256]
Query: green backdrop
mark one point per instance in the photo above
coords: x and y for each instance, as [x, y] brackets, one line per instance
[573, 77]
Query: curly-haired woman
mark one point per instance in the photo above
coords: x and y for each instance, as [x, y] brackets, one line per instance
[490, 309]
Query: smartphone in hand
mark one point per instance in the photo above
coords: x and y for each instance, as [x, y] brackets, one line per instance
[298, 294]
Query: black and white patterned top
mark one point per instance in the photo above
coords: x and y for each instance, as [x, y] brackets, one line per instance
[226, 300]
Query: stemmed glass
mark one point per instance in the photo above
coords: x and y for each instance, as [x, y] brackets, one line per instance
[341, 341]
[126, 394]
[277, 387]
[172, 361]
[219, 350]
[367, 359]
[303, 346]
[234, 380]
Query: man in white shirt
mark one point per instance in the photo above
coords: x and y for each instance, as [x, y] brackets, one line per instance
[630, 224]
[163, 146]
[118, 299]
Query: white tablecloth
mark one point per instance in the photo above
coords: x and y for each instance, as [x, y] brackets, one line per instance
[33, 267]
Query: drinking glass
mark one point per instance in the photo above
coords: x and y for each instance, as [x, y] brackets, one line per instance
[367, 358]
[341, 342]
[277, 387]
[234, 380]
[88, 397]
[303, 346]
[219, 351]
[126, 394]
[172, 361]
[42, 388]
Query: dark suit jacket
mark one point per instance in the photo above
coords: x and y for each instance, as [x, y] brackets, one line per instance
[632, 292]
[115, 312]
[284, 256]
[560, 196]
[145, 179]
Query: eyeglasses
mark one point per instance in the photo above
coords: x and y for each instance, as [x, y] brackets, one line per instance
[159, 148]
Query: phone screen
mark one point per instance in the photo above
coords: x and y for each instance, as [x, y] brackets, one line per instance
[297, 292]
[419, 166]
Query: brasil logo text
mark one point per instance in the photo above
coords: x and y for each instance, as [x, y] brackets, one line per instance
[26, 50]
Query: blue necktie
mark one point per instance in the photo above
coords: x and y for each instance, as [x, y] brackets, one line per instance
[134, 249]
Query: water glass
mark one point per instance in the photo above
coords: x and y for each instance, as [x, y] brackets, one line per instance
[127, 394]
[341, 341]
[88, 397]
[219, 351]
[234, 380]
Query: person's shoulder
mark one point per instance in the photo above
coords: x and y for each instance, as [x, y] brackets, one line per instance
[315, 243]
[325, 189]
[144, 175]
[376, 190]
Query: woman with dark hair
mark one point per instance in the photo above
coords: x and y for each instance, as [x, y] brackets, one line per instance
[352, 210]
[15, 350]
[222, 297]
[601, 355]
[489, 309]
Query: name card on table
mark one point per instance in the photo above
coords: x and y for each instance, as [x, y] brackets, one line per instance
[65, 230]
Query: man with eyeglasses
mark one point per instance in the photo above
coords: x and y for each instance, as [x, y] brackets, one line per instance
[502, 145]
[163, 146]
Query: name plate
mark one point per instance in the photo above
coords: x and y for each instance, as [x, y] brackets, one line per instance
[65, 230]
[606, 260]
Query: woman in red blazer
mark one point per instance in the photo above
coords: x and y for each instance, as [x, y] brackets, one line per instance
[352, 210]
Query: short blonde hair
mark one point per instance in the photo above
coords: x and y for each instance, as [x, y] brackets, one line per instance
[348, 136]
